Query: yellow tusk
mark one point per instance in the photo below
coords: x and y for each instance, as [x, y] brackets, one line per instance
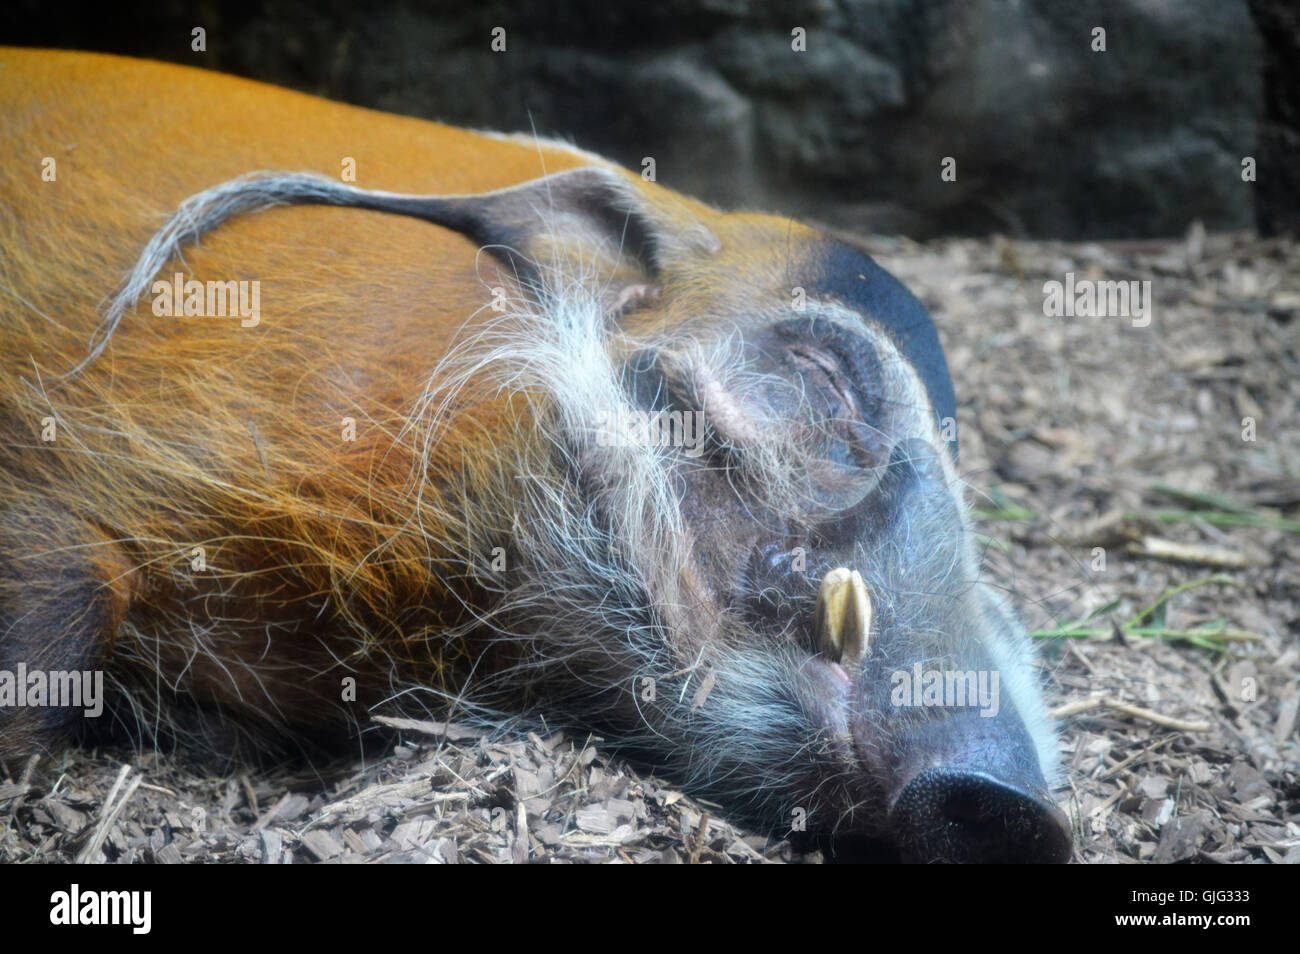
[843, 624]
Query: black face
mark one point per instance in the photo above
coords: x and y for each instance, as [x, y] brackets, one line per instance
[846, 276]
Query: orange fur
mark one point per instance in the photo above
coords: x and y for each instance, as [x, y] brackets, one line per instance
[194, 432]
[199, 433]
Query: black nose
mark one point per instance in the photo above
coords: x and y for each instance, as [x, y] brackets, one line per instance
[946, 815]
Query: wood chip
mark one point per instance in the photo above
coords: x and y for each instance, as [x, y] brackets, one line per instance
[1176, 552]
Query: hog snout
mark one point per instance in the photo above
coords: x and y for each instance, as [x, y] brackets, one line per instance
[935, 712]
[960, 815]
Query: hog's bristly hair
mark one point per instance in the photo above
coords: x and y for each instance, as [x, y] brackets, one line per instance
[544, 444]
[593, 546]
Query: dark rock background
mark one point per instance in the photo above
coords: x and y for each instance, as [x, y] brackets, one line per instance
[1050, 138]
[1278, 189]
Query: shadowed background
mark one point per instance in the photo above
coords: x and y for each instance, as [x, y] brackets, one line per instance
[1050, 138]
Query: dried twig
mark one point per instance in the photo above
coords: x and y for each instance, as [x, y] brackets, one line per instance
[1137, 712]
[697, 843]
[108, 813]
[1175, 552]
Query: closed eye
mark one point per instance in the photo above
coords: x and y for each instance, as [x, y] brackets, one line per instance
[845, 369]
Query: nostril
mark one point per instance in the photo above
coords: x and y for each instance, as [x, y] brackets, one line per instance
[963, 808]
[961, 816]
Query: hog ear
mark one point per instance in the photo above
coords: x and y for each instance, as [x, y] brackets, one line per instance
[570, 220]
[590, 223]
